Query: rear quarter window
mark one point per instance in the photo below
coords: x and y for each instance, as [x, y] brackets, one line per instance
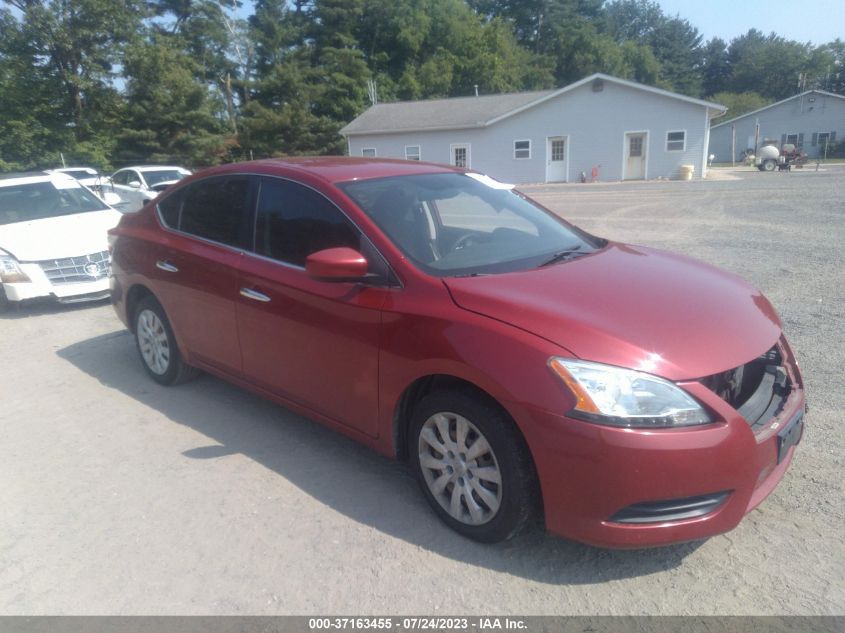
[170, 208]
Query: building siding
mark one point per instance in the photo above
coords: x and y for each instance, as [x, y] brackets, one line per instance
[812, 114]
[594, 124]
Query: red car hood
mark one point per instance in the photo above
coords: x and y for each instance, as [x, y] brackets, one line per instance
[633, 307]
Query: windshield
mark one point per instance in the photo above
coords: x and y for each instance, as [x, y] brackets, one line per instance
[456, 224]
[38, 200]
[163, 175]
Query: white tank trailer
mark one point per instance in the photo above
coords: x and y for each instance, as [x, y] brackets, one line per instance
[770, 158]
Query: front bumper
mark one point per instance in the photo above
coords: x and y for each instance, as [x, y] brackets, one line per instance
[40, 285]
[591, 475]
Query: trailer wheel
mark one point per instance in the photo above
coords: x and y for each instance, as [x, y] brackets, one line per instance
[769, 165]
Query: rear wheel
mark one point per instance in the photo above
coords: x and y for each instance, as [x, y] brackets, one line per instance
[473, 466]
[769, 165]
[157, 345]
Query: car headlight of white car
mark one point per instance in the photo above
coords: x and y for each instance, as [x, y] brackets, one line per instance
[615, 396]
[10, 270]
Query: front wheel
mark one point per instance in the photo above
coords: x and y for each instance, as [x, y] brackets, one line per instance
[157, 345]
[473, 466]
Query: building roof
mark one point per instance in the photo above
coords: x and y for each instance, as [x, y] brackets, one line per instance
[474, 112]
[777, 103]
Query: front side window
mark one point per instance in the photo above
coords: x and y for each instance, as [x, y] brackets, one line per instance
[676, 141]
[215, 209]
[521, 149]
[295, 221]
[163, 175]
[452, 224]
[121, 178]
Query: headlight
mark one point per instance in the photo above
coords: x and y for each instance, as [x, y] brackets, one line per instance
[624, 397]
[10, 271]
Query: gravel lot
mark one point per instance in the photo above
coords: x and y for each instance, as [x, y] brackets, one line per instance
[122, 497]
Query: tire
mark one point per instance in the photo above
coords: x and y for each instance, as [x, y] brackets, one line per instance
[157, 346]
[5, 304]
[488, 493]
[769, 165]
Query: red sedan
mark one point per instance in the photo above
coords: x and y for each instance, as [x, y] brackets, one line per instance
[523, 367]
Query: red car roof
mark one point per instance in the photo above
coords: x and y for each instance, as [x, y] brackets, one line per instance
[340, 168]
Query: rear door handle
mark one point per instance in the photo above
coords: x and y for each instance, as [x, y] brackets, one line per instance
[249, 293]
[166, 266]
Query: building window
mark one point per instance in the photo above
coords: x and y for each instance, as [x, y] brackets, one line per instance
[460, 155]
[412, 152]
[823, 138]
[558, 149]
[521, 149]
[792, 139]
[368, 152]
[635, 147]
[676, 141]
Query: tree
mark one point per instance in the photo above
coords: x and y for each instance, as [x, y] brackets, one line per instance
[72, 48]
[715, 66]
[30, 118]
[170, 117]
[740, 103]
[768, 64]
[674, 43]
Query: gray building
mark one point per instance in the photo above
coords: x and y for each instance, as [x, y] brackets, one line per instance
[617, 129]
[809, 120]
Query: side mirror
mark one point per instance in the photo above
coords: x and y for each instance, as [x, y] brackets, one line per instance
[337, 264]
[135, 184]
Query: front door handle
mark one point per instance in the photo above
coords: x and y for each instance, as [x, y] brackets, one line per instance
[249, 293]
[166, 266]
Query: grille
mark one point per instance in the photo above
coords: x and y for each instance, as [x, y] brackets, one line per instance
[74, 270]
[758, 389]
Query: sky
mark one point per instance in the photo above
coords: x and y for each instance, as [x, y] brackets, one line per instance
[816, 21]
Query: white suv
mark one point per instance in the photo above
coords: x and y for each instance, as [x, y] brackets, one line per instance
[53, 240]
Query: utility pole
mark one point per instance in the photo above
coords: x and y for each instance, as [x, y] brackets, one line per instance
[733, 145]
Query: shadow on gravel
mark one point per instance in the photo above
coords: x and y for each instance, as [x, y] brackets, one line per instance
[346, 476]
[41, 307]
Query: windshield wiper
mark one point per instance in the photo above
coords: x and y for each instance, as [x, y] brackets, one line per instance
[562, 255]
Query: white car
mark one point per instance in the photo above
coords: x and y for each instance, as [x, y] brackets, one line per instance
[53, 240]
[138, 185]
[88, 176]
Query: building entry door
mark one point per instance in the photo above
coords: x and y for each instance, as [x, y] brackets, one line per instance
[556, 163]
[635, 155]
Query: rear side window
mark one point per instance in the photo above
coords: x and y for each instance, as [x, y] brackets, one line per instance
[215, 209]
[294, 221]
[170, 207]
